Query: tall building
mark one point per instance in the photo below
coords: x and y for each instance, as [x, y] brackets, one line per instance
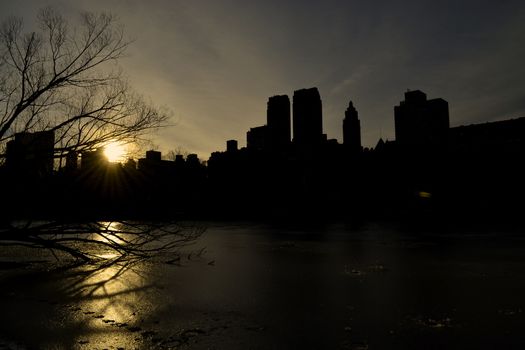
[421, 122]
[352, 129]
[257, 138]
[278, 121]
[307, 118]
[31, 153]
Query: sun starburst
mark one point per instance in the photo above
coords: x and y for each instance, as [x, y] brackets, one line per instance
[115, 152]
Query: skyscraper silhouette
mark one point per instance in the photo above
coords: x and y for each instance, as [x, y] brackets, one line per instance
[351, 129]
[278, 121]
[421, 122]
[307, 118]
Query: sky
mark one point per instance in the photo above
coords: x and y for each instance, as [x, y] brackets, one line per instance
[214, 63]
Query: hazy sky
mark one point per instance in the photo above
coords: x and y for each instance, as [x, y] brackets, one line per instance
[215, 63]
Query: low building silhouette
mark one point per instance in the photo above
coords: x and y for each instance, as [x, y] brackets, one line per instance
[31, 154]
[71, 161]
[505, 135]
[93, 159]
[257, 138]
[154, 166]
[130, 164]
[231, 146]
[154, 156]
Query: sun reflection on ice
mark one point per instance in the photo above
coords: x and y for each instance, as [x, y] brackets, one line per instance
[112, 299]
[110, 232]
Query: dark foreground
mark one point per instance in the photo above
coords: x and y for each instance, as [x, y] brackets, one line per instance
[273, 287]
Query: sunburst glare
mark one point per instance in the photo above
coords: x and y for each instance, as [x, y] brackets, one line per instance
[115, 152]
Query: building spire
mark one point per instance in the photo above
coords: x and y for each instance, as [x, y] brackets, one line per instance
[352, 129]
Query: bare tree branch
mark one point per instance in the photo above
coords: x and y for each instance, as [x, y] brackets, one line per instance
[64, 78]
[102, 241]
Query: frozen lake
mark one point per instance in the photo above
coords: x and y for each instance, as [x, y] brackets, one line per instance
[260, 286]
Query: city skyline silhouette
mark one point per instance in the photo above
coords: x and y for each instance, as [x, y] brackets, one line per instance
[288, 167]
[214, 65]
[262, 174]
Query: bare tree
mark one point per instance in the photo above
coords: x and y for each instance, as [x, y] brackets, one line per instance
[179, 150]
[65, 78]
[106, 242]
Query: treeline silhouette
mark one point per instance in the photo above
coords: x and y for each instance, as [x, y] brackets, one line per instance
[431, 171]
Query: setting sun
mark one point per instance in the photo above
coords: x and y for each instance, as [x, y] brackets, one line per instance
[115, 152]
